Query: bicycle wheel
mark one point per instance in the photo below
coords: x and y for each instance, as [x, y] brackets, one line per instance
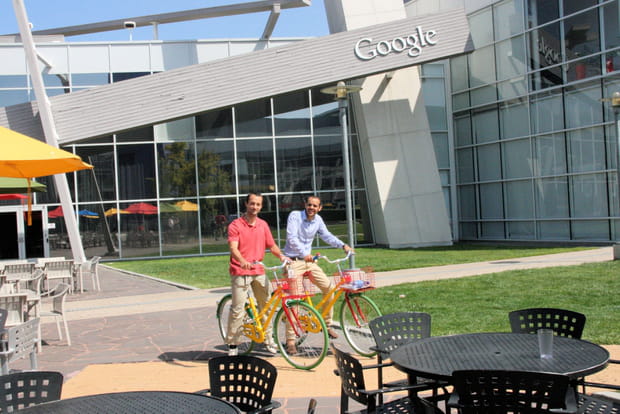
[222, 314]
[311, 339]
[356, 311]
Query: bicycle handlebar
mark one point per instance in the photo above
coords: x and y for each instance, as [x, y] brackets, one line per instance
[280, 266]
[342, 259]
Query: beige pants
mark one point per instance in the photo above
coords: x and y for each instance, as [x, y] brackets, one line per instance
[319, 278]
[240, 286]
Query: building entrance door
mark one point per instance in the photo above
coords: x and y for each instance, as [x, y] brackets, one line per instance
[20, 241]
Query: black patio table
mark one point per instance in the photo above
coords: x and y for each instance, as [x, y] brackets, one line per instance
[437, 357]
[147, 402]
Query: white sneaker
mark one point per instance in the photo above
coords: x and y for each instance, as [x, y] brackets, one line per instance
[271, 348]
[233, 351]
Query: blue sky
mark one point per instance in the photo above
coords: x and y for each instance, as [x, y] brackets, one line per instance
[47, 14]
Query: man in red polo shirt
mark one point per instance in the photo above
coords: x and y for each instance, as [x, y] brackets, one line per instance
[248, 238]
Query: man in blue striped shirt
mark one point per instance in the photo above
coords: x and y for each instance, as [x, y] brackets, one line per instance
[301, 228]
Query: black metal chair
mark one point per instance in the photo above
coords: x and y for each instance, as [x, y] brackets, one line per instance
[502, 392]
[24, 389]
[590, 404]
[395, 329]
[353, 386]
[614, 387]
[563, 322]
[311, 406]
[246, 381]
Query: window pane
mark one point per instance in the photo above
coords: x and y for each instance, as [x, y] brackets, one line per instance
[583, 107]
[463, 130]
[467, 202]
[326, 119]
[479, 25]
[517, 159]
[589, 196]
[177, 169]
[460, 101]
[13, 81]
[612, 30]
[584, 68]
[253, 118]
[581, 34]
[482, 71]
[492, 230]
[489, 160]
[102, 158]
[486, 126]
[520, 230]
[179, 130]
[512, 88]
[294, 163]
[541, 12]
[292, 114]
[480, 96]
[546, 41]
[508, 18]
[546, 113]
[510, 55]
[89, 79]
[514, 120]
[328, 158]
[554, 230]
[435, 100]
[491, 201]
[587, 150]
[591, 230]
[465, 163]
[216, 167]
[215, 124]
[442, 152]
[572, 6]
[458, 73]
[550, 153]
[552, 197]
[139, 134]
[255, 166]
[519, 200]
[136, 171]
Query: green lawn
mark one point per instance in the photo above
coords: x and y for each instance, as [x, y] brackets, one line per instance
[471, 304]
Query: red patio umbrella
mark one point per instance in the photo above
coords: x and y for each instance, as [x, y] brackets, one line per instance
[57, 212]
[141, 208]
[13, 197]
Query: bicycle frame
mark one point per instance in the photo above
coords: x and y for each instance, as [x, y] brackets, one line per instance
[257, 329]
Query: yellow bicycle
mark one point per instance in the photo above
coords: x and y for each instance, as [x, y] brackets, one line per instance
[356, 309]
[288, 306]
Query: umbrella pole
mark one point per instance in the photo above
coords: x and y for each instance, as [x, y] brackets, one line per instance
[49, 128]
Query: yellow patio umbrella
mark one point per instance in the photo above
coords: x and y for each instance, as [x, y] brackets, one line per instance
[26, 157]
[112, 212]
[187, 205]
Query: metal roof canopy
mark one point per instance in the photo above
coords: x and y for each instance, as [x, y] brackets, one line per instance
[272, 6]
[190, 90]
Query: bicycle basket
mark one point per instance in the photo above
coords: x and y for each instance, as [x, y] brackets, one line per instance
[356, 279]
[290, 286]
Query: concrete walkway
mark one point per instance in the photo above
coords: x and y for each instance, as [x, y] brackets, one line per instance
[143, 320]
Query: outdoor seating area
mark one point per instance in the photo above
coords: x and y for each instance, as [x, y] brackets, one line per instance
[413, 381]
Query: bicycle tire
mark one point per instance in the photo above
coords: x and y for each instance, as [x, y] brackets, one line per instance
[222, 314]
[312, 342]
[356, 311]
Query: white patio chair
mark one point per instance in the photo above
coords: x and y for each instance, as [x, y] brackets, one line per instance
[59, 270]
[90, 267]
[16, 306]
[58, 295]
[20, 341]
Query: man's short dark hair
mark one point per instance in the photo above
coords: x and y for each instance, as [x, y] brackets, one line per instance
[312, 196]
[251, 193]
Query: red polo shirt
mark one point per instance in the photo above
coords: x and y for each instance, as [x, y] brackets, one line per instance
[253, 241]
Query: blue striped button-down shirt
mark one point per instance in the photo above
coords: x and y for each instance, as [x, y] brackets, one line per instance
[300, 233]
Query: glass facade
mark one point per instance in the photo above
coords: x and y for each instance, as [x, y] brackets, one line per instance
[535, 143]
[171, 189]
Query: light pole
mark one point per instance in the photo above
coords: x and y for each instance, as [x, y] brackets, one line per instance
[340, 92]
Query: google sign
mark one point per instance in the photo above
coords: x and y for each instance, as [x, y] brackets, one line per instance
[413, 43]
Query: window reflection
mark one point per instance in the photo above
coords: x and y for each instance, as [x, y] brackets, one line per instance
[255, 165]
[328, 154]
[216, 167]
[546, 52]
[97, 184]
[253, 119]
[215, 124]
[291, 114]
[294, 162]
[136, 171]
[177, 169]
